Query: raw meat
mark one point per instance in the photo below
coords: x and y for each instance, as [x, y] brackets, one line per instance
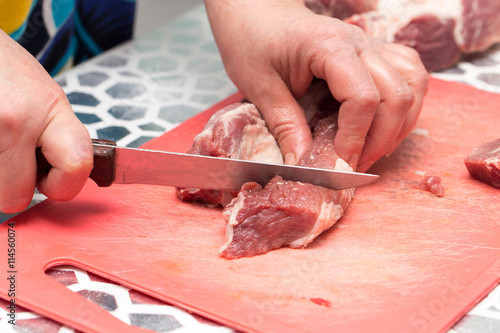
[433, 185]
[236, 131]
[484, 163]
[283, 213]
[441, 31]
[287, 213]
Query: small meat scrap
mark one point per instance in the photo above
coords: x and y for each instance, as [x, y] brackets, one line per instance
[432, 184]
[484, 163]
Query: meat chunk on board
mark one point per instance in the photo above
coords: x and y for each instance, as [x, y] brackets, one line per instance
[441, 31]
[287, 213]
[484, 163]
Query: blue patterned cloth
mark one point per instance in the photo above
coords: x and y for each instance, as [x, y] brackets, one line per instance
[60, 33]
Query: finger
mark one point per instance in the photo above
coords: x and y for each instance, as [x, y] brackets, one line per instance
[408, 64]
[17, 160]
[17, 179]
[397, 99]
[67, 147]
[413, 71]
[352, 85]
[285, 119]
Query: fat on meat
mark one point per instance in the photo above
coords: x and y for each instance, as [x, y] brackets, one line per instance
[236, 131]
[483, 163]
[283, 213]
[440, 31]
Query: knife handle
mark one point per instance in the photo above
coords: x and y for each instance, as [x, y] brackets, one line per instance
[103, 172]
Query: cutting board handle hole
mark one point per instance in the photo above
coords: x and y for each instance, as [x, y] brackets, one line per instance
[107, 294]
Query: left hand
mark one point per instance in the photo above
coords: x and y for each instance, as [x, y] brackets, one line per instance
[272, 49]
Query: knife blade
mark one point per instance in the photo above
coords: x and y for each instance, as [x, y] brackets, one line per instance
[123, 165]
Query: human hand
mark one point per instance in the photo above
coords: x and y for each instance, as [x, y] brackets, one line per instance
[273, 49]
[34, 112]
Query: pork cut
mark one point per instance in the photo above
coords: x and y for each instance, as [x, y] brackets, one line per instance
[283, 213]
[441, 31]
[483, 163]
[287, 213]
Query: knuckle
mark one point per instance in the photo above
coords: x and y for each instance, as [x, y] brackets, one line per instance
[410, 53]
[419, 74]
[404, 97]
[369, 98]
[283, 131]
[421, 79]
[354, 135]
[10, 120]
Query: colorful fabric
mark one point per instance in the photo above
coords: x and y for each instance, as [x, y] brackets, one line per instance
[60, 33]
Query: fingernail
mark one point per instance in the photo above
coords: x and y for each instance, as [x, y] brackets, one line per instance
[290, 159]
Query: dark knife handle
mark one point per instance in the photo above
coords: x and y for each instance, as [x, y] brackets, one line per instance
[103, 173]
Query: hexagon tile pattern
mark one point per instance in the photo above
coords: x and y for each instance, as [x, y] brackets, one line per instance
[150, 84]
[92, 79]
[80, 98]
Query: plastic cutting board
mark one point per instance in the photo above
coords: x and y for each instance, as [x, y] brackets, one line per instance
[400, 260]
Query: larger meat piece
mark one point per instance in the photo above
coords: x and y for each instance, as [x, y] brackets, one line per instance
[287, 213]
[483, 163]
[441, 31]
[283, 213]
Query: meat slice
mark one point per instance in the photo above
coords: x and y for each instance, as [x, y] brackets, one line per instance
[287, 213]
[236, 131]
[441, 31]
[484, 163]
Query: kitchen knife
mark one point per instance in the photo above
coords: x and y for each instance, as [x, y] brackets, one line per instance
[122, 165]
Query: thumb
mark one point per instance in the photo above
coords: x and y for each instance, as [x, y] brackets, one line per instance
[286, 120]
[66, 145]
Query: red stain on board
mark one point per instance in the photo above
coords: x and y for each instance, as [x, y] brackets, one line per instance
[321, 301]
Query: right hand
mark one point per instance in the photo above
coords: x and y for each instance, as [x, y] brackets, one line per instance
[34, 112]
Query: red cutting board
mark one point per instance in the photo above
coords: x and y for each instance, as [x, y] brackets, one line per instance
[400, 260]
